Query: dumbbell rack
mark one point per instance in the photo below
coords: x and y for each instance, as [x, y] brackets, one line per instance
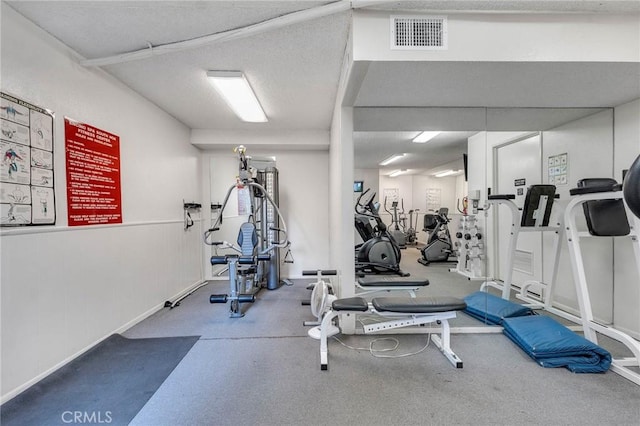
[469, 249]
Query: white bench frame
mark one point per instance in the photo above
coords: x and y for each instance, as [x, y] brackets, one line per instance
[401, 320]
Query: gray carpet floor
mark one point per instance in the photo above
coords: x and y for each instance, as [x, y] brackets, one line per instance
[263, 370]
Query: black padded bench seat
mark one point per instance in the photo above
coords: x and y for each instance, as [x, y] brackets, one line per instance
[415, 305]
[357, 304]
[418, 305]
[391, 281]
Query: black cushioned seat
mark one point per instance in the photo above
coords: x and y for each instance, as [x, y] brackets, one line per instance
[418, 305]
[595, 189]
[390, 281]
[350, 304]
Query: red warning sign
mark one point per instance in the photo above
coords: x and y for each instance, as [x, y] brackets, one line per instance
[93, 175]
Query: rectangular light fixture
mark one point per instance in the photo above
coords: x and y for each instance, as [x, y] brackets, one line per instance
[391, 159]
[447, 173]
[397, 173]
[237, 93]
[425, 137]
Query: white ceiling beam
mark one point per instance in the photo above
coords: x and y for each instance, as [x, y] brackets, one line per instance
[237, 33]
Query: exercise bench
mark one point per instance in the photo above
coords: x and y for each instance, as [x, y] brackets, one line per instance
[375, 284]
[402, 312]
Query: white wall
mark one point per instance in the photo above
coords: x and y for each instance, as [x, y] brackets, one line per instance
[64, 289]
[588, 143]
[626, 314]
[600, 145]
[404, 185]
[303, 196]
[509, 37]
[341, 235]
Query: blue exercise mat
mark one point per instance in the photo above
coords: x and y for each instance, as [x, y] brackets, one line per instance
[551, 344]
[492, 309]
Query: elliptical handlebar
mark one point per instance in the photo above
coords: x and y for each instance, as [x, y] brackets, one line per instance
[366, 209]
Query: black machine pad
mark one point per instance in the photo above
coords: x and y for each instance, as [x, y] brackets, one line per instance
[532, 200]
[419, 305]
[357, 304]
[605, 218]
[391, 281]
[502, 197]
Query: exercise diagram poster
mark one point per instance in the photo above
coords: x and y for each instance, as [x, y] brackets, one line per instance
[93, 175]
[26, 172]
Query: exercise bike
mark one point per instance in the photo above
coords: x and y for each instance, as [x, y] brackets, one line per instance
[439, 246]
[380, 253]
[411, 234]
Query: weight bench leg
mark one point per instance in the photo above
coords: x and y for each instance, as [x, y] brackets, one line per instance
[443, 344]
[324, 331]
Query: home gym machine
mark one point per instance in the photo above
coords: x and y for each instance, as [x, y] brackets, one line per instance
[256, 263]
[380, 253]
[439, 245]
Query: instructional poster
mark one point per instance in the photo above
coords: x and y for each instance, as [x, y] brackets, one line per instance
[557, 169]
[93, 175]
[26, 172]
[433, 199]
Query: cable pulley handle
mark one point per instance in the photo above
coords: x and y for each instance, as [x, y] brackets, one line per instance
[288, 257]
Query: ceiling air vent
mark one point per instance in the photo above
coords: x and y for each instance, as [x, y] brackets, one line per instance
[419, 32]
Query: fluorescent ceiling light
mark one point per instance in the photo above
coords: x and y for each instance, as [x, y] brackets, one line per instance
[447, 173]
[392, 159]
[237, 93]
[397, 173]
[425, 137]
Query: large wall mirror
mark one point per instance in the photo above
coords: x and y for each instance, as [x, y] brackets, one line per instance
[417, 163]
[475, 152]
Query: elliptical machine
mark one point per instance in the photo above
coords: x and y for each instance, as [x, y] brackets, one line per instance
[379, 254]
[397, 233]
[439, 246]
[410, 233]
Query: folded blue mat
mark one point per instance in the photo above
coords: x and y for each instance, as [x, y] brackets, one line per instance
[551, 344]
[492, 309]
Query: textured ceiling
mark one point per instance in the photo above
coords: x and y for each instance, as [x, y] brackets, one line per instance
[295, 68]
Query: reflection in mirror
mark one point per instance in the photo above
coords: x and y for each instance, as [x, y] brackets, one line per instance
[422, 175]
[511, 237]
[516, 148]
[557, 147]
